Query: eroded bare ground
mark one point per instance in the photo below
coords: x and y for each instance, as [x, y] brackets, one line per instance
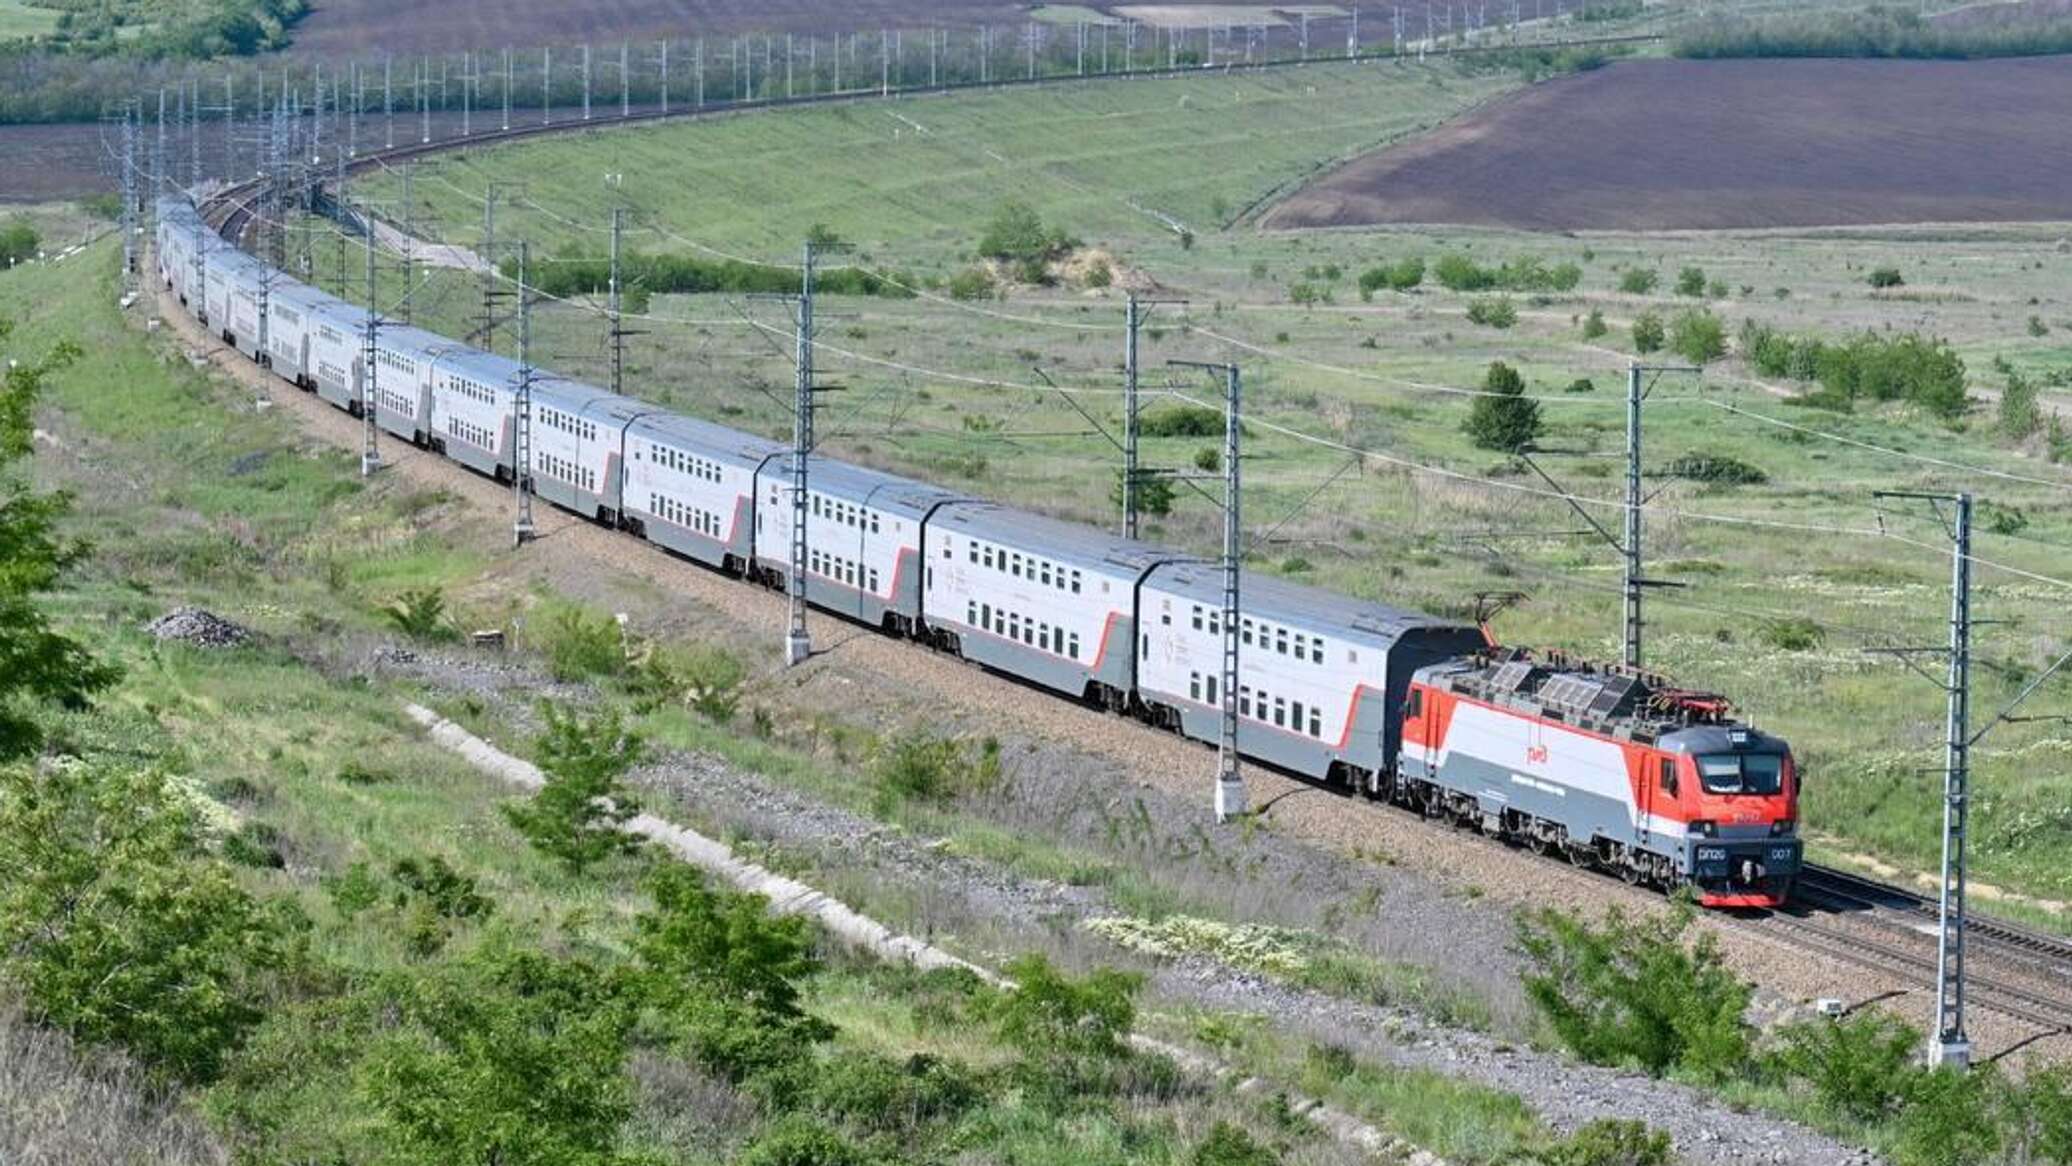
[1675, 144]
[1401, 888]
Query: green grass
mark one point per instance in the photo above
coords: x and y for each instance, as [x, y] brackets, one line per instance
[18, 19]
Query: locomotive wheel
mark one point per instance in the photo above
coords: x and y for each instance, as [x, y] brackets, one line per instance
[1631, 872]
[1538, 844]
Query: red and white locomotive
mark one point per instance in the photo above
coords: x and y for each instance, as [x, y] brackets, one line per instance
[1608, 767]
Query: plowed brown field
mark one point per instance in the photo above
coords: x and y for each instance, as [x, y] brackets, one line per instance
[1668, 144]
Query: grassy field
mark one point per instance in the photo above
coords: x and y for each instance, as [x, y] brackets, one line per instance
[20, 19]
[1423, 518]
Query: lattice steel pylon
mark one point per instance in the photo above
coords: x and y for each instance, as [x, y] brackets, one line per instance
[1230, 780]
[370, 397]
[522, 529]
[798, 642]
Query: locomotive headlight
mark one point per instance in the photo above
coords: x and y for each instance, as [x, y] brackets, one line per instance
[1781, 827]
[1738, 737]
[1703, 827]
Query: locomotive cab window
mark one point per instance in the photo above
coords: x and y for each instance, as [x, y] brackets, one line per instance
[1415, 708]
[1741, 773]
[1669, 776]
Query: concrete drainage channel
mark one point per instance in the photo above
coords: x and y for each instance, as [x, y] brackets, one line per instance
[788, 896]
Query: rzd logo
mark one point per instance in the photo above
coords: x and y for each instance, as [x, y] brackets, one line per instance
[1536, 754]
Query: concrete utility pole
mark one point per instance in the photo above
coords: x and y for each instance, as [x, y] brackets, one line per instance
[388, 97]
[522, 529]
[489, 288]
[664, 71]
[507, 88]
[547, 86]
[619, 330]
[129, 193]
[409, 256]
[370, 400]
[625, 80]
[1230, 780]
[586, 82]
[1949, 1045]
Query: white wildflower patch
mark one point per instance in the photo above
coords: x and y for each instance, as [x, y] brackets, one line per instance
[216, 817]
[1276, 951]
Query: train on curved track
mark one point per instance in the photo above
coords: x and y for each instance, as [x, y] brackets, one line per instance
[1604, 766]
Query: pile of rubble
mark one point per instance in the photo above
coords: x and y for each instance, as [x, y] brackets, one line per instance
[203, 629]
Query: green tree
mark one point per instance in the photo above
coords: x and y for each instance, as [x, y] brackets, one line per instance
[1017, 234]
[1648, 333]
[1949, 1119]
[39, 667]
[18, 243]
[2037, 1116]
[1860, 1066]
[1639, 281]
[1505, 421]
[1154, 494]
[1691, 282]
[579, 814]
[502, 1059]
[2020, 414]
[1594, 325]
[1633, 991]
[120, 927]
[1698, 336]
[1051, 1014]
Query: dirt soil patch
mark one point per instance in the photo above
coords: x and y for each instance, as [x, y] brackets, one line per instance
[1670, 144]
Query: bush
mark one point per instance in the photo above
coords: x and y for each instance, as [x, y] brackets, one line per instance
[1181, 421]
[2020, 415]
[1876, 31]
[1402, 275]
[1308, 294]
[1594, 325]
[1690, 281]
[972, 283]
[1229, 1145]
[1698, 336]
[579, 814]
[1948, 1119]
[1717, 469]
[2037, 1117]
[1051, 1014]
[1885, 277]
[1793, 634]
[420, 613]
[1633, 992]
[1154, 493]
[921, 767]
[1495, 312]
[1099, 274]
[1882, 367]
[116, 924]
[579, 646]
[1648, 333]
[1209, 460]
[1860, 1066]
[1460, 273]
[1611, 1142]
[1580, 385]
[796, 1140]
[18, 243]
[1639, 281]
[1505, 421]
[2038, 328]
[1017, 234]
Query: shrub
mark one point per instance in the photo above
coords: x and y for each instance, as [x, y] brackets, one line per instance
[578, 815]
[1594, 325]
[1885, 277]
[972, 283]
[1860, 1066]
[1698, 336]
[922, 767]
[1099, 274]
[1632, 991]
[1459, 273]
[1182, 421]
[117, 925]
[1639, 281]
[1209, 460]
[876, 1093]
[1402, 275]
[1717, 469]
[1051, 1014]
[798, 1140]
[2037, 1117]
[580, 646]
[1580, 385]
[1308, 294]
[2003, 519]
[18, 243]
[1690, 281]
[1611, 1142]
[1495, 312]
[700, 941]
[1648, 333]
[2037, 327]
[1229, 1145]
[1905, 367]
[420, 613]
[2020, 415]
[1948, 1119]
[1017, 234]
[1505, 421]
[1154, 493]
[1792, 634]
